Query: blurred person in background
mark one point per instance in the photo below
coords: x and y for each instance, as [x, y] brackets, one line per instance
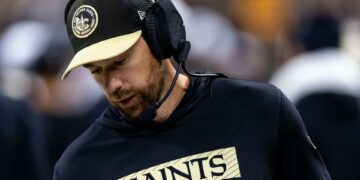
[22, 140]
[320, 59]
[33, 53]
[324, 82]
[23, 145]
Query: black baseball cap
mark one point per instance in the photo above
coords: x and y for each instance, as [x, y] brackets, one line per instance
[102, 29]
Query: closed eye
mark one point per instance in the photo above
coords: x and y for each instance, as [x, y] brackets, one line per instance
[120, 62]
[92, 69]
[95, 71]
[117, 64]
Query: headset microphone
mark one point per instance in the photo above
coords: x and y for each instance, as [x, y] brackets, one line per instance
[148, 114]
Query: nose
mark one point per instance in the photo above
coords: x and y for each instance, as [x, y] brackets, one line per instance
[113, 82]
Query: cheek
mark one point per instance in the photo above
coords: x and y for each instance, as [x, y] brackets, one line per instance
[99, 81]
[136, 78]
[101, 85]
[111, 80]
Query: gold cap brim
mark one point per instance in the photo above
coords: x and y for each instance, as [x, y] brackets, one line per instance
[102, 50]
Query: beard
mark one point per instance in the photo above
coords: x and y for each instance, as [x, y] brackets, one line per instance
[143, 97]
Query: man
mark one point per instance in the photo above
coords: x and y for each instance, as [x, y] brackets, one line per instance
[163, 125]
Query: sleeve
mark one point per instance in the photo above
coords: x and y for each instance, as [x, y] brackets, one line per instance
[297, 157]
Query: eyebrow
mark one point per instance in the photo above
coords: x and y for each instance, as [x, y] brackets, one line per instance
[88, 65]
[120, 60]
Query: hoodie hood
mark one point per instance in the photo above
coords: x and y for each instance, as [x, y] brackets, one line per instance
[198, 89]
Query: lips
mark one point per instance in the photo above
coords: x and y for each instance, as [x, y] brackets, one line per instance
[127, 101]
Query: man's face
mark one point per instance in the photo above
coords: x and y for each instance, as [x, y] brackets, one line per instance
[132, 80]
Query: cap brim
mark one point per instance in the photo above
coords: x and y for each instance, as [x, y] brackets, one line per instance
[102, 50]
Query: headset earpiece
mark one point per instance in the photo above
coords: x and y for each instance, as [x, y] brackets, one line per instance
[164, 29]
[154, 37]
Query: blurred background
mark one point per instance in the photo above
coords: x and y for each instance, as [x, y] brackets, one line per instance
[308, 49]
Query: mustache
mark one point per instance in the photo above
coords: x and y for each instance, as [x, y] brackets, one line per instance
[120, 94]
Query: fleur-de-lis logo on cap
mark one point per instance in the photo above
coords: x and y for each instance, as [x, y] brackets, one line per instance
[84, 21]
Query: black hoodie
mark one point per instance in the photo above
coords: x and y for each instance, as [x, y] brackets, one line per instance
[222, 129]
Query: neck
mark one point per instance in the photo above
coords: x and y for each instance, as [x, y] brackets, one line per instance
[170, 104]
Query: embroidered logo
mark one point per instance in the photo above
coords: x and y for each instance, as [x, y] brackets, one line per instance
[218, 164]
[84, 21]
[142, 14]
